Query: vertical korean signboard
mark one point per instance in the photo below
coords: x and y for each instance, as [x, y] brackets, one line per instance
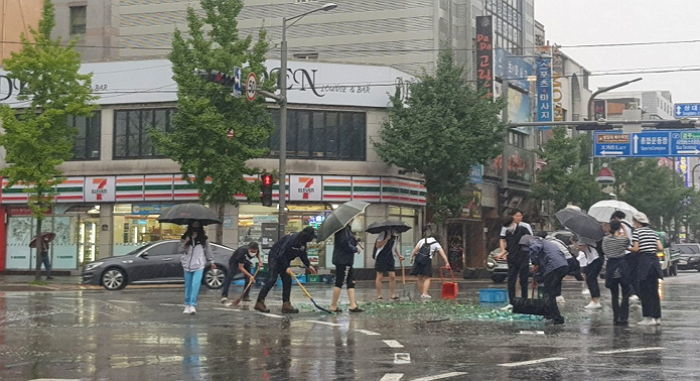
[484, 54]
[544, 90]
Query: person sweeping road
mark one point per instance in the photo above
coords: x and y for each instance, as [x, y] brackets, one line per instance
[240, 263]
[283, 252]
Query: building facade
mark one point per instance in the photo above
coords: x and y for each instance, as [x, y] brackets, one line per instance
[118, 183]
[16, 17]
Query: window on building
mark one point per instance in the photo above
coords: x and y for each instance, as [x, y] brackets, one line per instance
[78, 19]
[131, 132]
[87, 138]
[517, 139]
[333, 135]
[508, 24]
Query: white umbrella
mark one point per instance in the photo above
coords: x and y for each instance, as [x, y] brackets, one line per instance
[602, 210]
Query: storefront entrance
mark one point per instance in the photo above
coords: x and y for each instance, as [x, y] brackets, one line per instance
[465, 245]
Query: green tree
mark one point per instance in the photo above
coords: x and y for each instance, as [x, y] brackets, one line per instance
[38, 138]
[653, 189]
[206, 111]
[566, 178]
[441, 130]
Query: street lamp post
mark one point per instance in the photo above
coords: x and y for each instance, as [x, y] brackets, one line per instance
[282, 220]
[589, 109]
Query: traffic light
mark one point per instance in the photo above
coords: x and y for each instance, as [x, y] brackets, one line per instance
[266, 188]
[217, 77]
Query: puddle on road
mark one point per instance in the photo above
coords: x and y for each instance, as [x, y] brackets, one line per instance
[437, 311]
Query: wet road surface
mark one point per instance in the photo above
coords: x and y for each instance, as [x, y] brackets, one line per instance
[141, 334]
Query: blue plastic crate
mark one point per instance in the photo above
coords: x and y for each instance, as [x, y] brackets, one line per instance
[493, 295]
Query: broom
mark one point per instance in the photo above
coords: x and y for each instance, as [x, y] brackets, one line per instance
[307, 293]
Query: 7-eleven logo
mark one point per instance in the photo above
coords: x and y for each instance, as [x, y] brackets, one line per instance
[307, 188]
[100, 188]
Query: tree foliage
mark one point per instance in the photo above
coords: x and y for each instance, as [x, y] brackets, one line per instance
[38, 138]
[206, 111]
[566, 178]
[651, 188]
[441, 130]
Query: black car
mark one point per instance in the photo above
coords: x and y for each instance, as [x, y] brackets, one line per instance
[689, 255]
[155, 262]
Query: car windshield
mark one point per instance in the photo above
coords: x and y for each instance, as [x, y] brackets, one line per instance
[687, 249]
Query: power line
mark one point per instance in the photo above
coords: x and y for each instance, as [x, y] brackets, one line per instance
[405, 50]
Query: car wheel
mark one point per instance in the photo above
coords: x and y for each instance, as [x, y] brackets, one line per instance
[214, 278]
[498, 278]
[113, 279]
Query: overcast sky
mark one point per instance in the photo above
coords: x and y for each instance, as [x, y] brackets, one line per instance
[573, 22]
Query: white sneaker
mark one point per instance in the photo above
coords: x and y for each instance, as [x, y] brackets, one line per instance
[657, 321]
[593, 306]
[507, 308]
[585, 291]
[634, 299]
[426, 296]
[228, 303]
[193, 310]
[186, 310]
[224, 300]
[647, 321]
[560, 299]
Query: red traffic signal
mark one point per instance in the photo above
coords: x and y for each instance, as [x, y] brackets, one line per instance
[266, 189]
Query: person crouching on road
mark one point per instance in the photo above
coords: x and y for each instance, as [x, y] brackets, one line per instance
[195, 246]
[240, 263]
[617, 273]
[645, 244]
[552, 267]
[344, 250]
[282, 253]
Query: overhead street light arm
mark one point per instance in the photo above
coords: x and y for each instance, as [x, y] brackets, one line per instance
[604, 90]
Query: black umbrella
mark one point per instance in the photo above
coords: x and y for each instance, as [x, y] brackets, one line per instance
[185, 214]
[378, 227]
[586, 227]
[49, 235]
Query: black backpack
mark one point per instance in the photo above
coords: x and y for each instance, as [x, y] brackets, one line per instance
[423, 255]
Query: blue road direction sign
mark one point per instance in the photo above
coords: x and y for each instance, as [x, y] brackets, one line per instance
[611, 144]
[656, 143]
[686, 110]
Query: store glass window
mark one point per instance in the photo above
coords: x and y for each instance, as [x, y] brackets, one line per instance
[259, 223]
[86, 145]
[132, 138]
[137, 224]
[334, 135]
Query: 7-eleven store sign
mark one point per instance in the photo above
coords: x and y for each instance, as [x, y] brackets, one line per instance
[99, 189]
[305, 188]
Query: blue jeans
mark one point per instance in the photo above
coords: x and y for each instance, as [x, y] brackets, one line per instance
[47, 264]
[193, 279]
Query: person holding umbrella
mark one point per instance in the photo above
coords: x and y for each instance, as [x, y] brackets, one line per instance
[344, 250]
[282, 253]
[195, 246]
[385, 250]
[41, 242]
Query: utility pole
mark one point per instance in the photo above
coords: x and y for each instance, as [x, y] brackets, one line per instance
[282, 216]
